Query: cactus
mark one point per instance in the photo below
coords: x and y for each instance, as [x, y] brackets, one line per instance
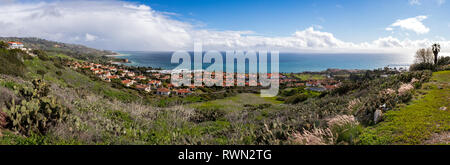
[37, 113]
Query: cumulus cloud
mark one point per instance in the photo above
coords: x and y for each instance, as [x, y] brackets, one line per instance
[117, 25]
[112, 24]
[414, 24]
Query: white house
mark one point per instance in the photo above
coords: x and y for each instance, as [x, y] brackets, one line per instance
[163, 91]
[15, 45]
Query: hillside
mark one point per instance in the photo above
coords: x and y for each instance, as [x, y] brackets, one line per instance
[43, 101]
[73, 50]
[425, 120]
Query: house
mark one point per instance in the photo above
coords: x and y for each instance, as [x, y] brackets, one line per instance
[183, 92]
[163, 91]
[112, 69]
[330, 87]
[312, 84]
[15, 45]
[131, 74]
[141, 77]
[127, 83]
[96, 70]
[109, 78]
[154, 82]
[167, 77]
[98, 65]
[145, 88]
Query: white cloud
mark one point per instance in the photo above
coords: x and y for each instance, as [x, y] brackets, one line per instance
[414, 2]
[90, 37]
[117, 25]
[418, 3]
[414, 24]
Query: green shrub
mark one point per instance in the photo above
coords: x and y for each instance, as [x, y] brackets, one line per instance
[203, 114]
[41, 55]
[11, 62]
[296, 98]
[421, 66]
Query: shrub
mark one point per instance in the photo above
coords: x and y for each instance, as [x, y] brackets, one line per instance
[296, 98]
[317, 136]
[2, 119]
[274, 132]
[345, 128]
[41, 55]
[3, 45]
[421, 66]
[207, 114]
[443, 61]
[11, 62]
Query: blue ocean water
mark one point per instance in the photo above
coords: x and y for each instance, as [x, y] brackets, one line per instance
[288, 62]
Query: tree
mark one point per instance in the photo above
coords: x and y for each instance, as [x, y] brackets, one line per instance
[3, 45]
[41, 72]
[424, 56]
[436, 49]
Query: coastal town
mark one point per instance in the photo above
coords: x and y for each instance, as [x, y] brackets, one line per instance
[158, 81]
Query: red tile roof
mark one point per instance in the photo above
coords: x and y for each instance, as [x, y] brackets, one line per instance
[164, 90]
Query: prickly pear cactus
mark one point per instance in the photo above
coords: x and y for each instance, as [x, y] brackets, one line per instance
[37, 113]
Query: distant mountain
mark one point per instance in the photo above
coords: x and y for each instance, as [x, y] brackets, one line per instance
[74, 50]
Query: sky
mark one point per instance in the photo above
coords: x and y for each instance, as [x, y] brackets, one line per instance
[322, 26]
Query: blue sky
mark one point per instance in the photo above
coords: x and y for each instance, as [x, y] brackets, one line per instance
[285, 25]
[350, 20]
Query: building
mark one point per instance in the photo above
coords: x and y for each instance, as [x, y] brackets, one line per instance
[141, 77]
[127, 83]
[145, 88]
[163, 91]
[183, 92]
[15, 45]
[154, 82]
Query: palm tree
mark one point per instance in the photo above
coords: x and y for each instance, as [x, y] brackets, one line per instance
[436, 49]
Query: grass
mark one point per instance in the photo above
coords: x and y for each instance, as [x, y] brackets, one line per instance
[418, 121]
[238, 102]
[309, 76]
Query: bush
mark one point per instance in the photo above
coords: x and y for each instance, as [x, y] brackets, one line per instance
[41, 55]
[207, 114]
[2, 119]
[3, 45]
[443, 61]
[296, 98]
[11, 62]
[345, 128]
[421, 66]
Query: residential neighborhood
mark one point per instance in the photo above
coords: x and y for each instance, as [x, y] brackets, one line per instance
[158, 81]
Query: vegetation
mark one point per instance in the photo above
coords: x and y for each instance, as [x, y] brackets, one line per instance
[43, 102]
[425, 117]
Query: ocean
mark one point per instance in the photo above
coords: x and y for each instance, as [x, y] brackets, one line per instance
[288, 62]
